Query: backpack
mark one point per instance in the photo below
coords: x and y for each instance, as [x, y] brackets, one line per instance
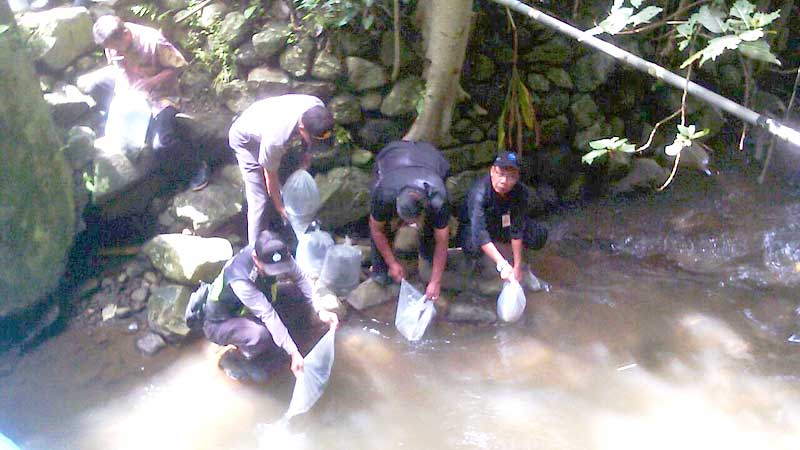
[195, 309]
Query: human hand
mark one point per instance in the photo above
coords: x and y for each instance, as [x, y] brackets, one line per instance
[330, 318]
[397, 272]
[297, 363]
[433, 290]
[506, 270]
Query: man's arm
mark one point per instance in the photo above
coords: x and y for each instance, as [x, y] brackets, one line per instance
[376, 229]
[274, 191]
[516, 250]
[303, 282]
[258, 304]
[440, 238]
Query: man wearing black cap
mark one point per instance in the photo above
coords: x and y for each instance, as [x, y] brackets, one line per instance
[494, 215]
[260, 137]
[239, 309]
[409, 184]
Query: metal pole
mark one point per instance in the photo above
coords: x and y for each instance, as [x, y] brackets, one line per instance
[771, 125]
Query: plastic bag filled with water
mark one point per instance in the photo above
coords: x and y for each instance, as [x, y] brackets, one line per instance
[311, 250]
[301, 200]
[413, 312]
[316, 371]
[511, 302]
[342, 267]
[128, 119]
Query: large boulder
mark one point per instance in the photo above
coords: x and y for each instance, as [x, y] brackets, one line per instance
[207, 210]
[188, 259]
[271, 39]
[59, 35]
[36, 211]
[344, 195]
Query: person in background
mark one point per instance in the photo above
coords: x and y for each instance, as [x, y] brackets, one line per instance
[409, 184]
[141, 59]
[493, 218]
[239, 309]
[260, 137]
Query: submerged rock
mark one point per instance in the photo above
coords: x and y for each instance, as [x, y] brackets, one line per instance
[150, 344]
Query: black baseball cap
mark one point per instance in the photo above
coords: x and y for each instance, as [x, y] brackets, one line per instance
[271, 251]
[507, 160]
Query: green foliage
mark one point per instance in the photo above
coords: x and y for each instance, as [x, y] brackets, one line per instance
[331, 14]
[4, 28]
[620, 17]
[742, 29]
[607, 146]
[342, 137]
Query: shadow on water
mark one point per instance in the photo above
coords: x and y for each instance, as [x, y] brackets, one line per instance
[665, 328]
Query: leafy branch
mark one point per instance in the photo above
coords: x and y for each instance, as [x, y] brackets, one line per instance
[621, 16]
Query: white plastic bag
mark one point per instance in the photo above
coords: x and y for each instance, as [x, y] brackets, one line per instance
[511, 302]
[342, 267]
[413, 312]
[301, 200]
[311, 250]
[128, 119]
[316, 371]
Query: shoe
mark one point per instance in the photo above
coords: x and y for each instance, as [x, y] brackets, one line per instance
[200, 178]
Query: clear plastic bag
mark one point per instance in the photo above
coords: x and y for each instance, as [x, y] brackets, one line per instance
[511, 302]
[311, 250]
[311, 383]
[413, 312]
[128, 119]
[301, 200]
[342, 268]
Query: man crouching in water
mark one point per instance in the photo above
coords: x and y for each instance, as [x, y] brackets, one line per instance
[239, 310]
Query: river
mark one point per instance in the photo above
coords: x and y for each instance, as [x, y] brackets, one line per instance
[666, 327]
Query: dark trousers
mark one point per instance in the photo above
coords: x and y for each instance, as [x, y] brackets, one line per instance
[427, 244]
[249, 334]
[534, 238]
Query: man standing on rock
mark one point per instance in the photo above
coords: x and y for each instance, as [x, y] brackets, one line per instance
[142, 60]
[409, 184]
[494, 216]
[239, 309]
[260, 137]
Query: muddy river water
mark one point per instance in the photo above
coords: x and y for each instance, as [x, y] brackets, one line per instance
[667, 326]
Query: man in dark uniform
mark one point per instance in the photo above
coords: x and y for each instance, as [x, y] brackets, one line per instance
[239, 310]
[494, 216]
[409, 184]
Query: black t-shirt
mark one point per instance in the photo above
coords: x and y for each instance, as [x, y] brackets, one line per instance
[404, 164]
[484, 210]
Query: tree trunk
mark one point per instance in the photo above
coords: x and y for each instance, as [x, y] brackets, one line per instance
[446, 25]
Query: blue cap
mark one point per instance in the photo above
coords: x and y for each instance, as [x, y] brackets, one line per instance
[506, 160]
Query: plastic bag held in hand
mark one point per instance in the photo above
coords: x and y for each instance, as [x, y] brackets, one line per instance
[301, 200]
[413, 312]
[511, 302]
[311, 383]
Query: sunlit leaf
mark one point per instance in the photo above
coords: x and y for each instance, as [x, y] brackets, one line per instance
[676, 147]
[592, 155]
[616, 22]
[602, 143]
[742, 9]
[762, 20]
[4, 28]
[636, 3]
[249, 11]
[645, 15]
[718, 45]
[712, 19]
[525, 104]
[758, 50]
[700, 133]
[751, 35]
